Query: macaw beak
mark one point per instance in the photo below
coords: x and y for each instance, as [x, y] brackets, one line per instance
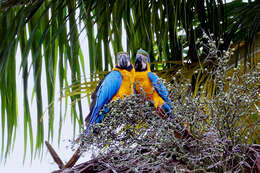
[138, 63]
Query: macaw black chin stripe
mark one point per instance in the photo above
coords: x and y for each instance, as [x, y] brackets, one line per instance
[129, 68]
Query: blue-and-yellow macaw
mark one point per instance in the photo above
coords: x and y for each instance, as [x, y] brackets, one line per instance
[117, 84]
[154, 90]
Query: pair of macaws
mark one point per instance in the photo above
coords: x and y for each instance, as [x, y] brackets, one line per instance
[125, 80]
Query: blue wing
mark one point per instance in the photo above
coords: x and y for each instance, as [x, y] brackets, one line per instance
[104, 92]
[162, 91]
[159, 87]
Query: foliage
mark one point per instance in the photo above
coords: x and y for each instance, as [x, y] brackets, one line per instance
[224, 129]
[49, 32]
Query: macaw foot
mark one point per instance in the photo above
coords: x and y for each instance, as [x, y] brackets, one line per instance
[168, 110]
[96, 131]
[87, 131]
[182, 132]
[165, 111]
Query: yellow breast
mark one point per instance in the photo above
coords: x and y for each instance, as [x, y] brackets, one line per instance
[127, 85]
[142, 81]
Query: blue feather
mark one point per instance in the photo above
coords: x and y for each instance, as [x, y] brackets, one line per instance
[105, 92]
[159, 87]
[162, 91]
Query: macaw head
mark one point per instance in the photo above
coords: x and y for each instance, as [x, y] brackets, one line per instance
[142, 61]
[123, 60]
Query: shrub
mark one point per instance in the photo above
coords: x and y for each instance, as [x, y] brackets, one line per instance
[223, 128]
